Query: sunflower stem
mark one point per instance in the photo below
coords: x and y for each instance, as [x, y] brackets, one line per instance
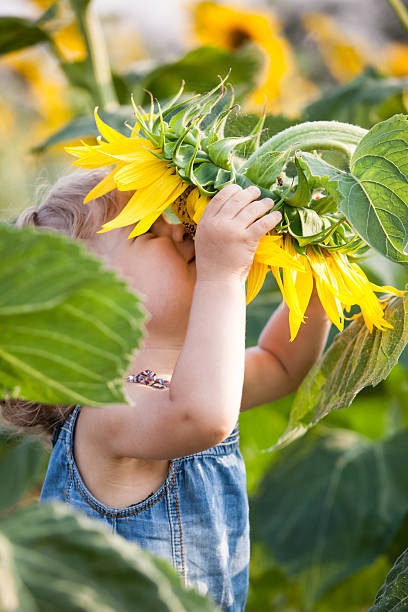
[401, 11]
[89, 24]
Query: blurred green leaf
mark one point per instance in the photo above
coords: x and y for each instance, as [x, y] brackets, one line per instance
[369, 98]
[393, 595]
[79, 74]
[68, 562]
[200, 69]
[17, 33]
[330, 504]
[14, 597]
[256, 428]
[68, 326]
[22, 463]
[355, 593]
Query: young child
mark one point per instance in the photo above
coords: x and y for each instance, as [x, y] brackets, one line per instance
[166, 470]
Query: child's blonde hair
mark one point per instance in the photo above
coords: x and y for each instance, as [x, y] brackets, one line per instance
[62, 210]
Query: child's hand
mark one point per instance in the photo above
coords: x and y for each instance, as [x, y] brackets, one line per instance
[229, 231]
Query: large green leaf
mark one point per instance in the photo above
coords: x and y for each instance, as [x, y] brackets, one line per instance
[22, 464]
[68, 326]
[393, 595]
[330, 505]
[356, 359]
[67, 562]
[377, 206]
[367, 99]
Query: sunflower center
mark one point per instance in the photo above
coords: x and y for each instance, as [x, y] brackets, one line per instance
[237, 37]
[179, 208]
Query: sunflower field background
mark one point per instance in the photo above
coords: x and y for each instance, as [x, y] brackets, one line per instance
[329, 501]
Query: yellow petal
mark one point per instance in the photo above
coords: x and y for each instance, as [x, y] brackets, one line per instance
[108, 132]
[270, 252]
[146, 223]
[330, 303]
[89, 157]
[146, 201]
[200, 208]
[107, 184]
[140, 174]
[191, 202]
[276, 273]
[143, 203]
[304, 288]
[255, 279]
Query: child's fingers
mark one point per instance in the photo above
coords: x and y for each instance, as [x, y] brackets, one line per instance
[254, 210]
[218, 201]
[239, 200]
[259, 228]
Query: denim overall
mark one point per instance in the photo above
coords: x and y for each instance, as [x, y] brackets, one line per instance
[197, 519]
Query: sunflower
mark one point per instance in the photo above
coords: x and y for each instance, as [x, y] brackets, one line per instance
[229, 27]
[170, 159]
[344, 56]
[67, 36]
[139, 168]
[46, 87]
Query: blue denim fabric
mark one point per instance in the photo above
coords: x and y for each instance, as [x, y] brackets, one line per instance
[197, 519]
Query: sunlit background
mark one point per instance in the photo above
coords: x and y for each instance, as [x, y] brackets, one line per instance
[308, 47]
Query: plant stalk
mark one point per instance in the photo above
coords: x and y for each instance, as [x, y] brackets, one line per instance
[401, 11]
[98, 57]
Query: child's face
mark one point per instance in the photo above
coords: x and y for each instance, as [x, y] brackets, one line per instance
[158, 266]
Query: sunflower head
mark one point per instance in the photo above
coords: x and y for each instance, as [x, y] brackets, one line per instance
[178, 156]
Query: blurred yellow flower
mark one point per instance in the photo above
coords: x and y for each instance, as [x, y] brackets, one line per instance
[344, 57]
[46, 87]
[67, 37]
[395, 59]
[8, 119]
[229, 27]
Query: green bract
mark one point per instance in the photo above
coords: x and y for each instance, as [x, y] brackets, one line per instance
[365, 203]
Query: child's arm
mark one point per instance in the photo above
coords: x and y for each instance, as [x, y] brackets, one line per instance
[202, 404]
[276, 367]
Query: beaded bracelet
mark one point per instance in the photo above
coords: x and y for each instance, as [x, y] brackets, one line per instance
[148, 377]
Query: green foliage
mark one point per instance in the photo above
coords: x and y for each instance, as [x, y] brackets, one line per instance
[270, 166]
[22, 465]
[68, 326]
[330, 504]
[380, 211]
[61, 560]
[301, 195]
[199, 69]
[18, 33]
[393, 595]
[356, 359]
[369, 98]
